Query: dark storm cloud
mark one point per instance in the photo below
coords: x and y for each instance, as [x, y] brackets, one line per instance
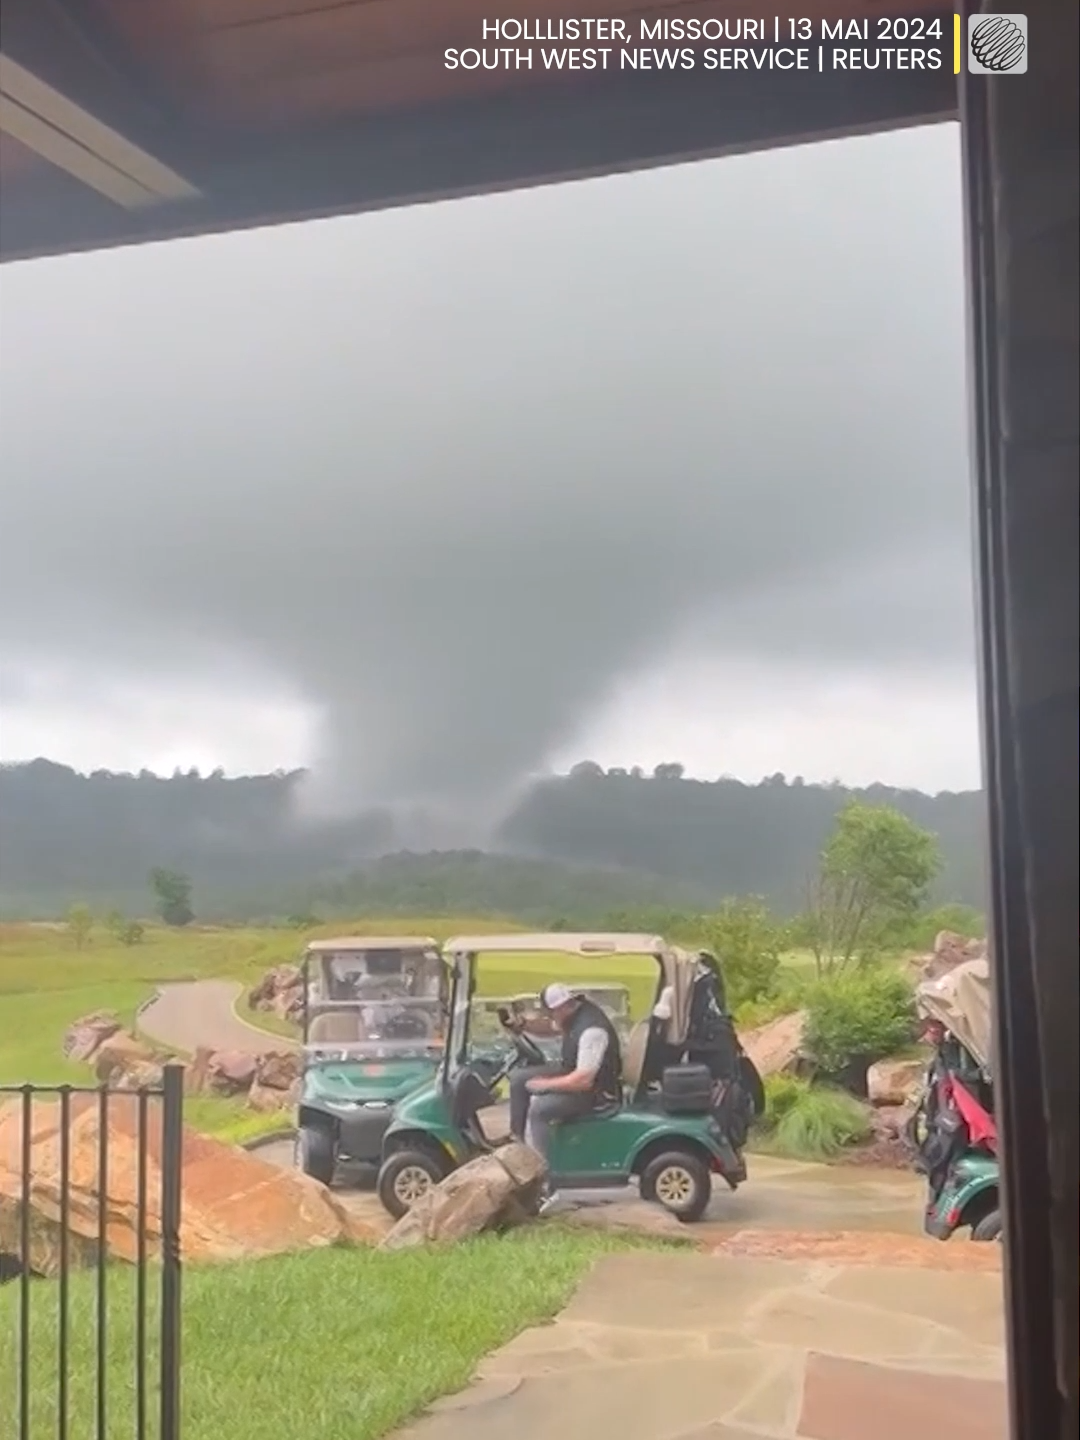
[454, 472]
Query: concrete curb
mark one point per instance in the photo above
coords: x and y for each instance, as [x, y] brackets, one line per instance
[142, 1034]
[286, 1042]
[272, 1137]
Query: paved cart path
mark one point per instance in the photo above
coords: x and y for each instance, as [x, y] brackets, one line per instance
[191, 1013]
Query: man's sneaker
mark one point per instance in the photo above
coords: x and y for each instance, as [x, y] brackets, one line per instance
[551, 1203]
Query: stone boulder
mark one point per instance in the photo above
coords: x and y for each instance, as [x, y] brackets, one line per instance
[492, 1192]
[776, 1046]
[85, 1036]
[235, 1206]
[950, 950]
[888, 1146]
[280, 992]
[266, 1099]
[277, 1069]
[197, 1071]
[288, 1005]
[895, 1082]
[141, 1075]
[122, 1056]
[230, 1072]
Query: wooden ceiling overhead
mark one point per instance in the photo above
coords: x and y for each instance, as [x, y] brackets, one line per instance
[187, 115]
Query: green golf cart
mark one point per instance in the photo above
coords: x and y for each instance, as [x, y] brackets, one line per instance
[374, 1026]
[689, 1091]
[953, 1131]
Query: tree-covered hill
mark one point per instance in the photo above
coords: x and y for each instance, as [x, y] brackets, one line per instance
[621, 837]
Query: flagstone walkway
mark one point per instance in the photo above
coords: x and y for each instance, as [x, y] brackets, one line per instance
[730, 1346]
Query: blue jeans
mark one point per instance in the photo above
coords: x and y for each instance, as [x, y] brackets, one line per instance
[532, 1116]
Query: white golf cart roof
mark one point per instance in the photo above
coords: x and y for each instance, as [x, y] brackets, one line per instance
[371, 942]
[588, 945]
[678, 966]
[962, 1001]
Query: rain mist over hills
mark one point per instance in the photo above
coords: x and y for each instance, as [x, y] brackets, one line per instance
[627, 838]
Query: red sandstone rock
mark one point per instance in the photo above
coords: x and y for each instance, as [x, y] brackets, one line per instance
[235, 1206]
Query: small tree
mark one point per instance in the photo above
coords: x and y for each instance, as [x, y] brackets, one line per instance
[873, 879]
[80, 925]
[127, 932]
[172, 890]
[749, 944]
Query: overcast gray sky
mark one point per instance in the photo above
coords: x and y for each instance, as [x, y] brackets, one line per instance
[665, 466]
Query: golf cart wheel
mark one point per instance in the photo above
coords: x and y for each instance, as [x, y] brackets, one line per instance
[680, 1182]
[988, 1228]
[406, 1177]
[316, 1153]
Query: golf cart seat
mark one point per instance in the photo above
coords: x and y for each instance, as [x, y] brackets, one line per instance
[341, 1027]
[635, 1055]
[604, 1111]
[601, 1112]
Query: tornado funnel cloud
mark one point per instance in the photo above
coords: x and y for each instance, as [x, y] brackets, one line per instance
[453, 475]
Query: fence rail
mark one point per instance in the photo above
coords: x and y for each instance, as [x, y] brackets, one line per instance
[65, 1220]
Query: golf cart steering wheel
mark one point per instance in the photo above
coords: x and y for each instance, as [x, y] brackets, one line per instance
[527, 1052]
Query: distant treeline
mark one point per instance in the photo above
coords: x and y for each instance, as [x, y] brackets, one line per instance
[591, 840]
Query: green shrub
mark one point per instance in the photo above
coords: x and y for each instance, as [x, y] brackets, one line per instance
[858, 1018]
[782, 1093]
[810, 1122]
[792, 987]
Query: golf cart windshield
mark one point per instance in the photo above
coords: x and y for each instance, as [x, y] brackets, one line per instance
[624, 974]
[528, 1011]
[375, 1002]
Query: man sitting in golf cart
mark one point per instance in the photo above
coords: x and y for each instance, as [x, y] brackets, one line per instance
[587, 1076]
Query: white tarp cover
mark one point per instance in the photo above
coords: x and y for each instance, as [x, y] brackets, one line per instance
[961, 1001]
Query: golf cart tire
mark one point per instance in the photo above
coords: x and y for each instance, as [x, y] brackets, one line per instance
[694, 1183]
[316, 1152]
[988, 1228]
[395, 1167]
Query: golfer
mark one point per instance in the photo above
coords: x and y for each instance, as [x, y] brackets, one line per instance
[588, 1074]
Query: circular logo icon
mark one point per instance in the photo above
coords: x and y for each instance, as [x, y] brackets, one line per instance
[998, 44]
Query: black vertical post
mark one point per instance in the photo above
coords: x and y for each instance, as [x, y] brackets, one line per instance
[1020, 172]
[172, 1111]
[102, 1407]
[26, 1135]
[142, 1139]
[64, 1259]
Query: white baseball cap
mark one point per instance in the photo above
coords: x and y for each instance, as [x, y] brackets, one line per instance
[553, 996]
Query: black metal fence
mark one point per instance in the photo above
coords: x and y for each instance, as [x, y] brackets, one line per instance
[75, 1211]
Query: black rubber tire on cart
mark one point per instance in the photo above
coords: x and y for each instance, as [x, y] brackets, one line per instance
[316, 1153]
[680, 1181]
[989, 1227]
[405, 1177]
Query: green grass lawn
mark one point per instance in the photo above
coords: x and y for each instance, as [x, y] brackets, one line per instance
[327, 1345]
[46, 983]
